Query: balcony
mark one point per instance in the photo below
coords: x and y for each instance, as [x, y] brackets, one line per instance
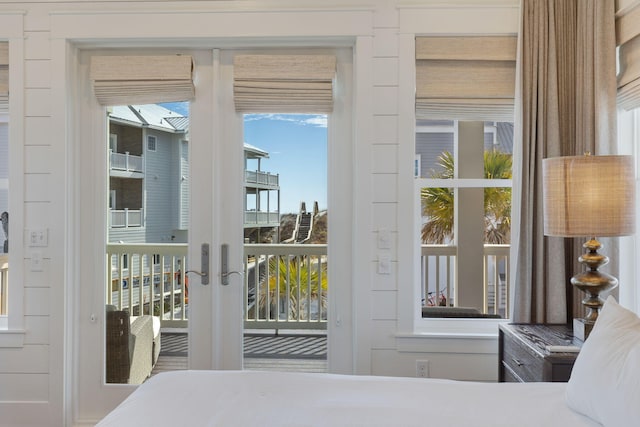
[126, 165]
[262, 179]
[148, 278]
[438, 266]
[253, 218]
[285, 286]
[126, 218]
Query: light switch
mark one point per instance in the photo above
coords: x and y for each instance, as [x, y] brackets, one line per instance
[36, 261]
[38, 237]
[384, 264]
[384, 239]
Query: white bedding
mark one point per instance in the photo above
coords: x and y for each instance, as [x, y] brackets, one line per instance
[250, 398]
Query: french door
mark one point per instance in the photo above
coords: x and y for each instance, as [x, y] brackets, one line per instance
[216, 197]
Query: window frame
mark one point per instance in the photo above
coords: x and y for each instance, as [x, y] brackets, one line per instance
[456, 183]
[12, 329]
[150, 144]
[420, 22]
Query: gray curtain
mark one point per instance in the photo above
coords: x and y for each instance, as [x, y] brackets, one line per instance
[565, 105]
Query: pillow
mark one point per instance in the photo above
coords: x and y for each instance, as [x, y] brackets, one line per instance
[605, 380]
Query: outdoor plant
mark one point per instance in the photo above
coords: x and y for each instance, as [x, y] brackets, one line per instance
[438, 203]
[298, 281]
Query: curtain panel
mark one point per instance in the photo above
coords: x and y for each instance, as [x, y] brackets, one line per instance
[283, 83]
[628, 38]
[465, 78]
[4, 76]
[124, 80]
[567, 93]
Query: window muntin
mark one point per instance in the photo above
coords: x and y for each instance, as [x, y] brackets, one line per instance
[464, 184]
[151, 143]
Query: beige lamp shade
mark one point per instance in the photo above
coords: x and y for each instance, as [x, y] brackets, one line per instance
[589, 196]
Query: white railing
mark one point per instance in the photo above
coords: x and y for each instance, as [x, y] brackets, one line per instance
[285, 286]
[148, 278]
[438, 265]
[261, 218]
[259, 177]
[126, 162]
[4, 283]
[126, 218]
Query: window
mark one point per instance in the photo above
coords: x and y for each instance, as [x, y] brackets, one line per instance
[463, 186]
[4, 180]
[463, 158]
[151, 143]
[4, 216]
[11, 82]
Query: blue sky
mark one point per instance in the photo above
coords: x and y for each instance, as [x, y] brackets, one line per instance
[297, 147]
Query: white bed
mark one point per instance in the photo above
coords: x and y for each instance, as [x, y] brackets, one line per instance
[604, 389]
[249, 398]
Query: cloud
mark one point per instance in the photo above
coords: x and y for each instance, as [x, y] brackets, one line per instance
[316, 120]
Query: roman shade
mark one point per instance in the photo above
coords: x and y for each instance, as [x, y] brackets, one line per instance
[124, 80]
[4, 76]
[466, 78]
[628, 39]
[283, 83]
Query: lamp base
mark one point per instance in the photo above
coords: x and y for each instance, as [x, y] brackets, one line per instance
[582, 328]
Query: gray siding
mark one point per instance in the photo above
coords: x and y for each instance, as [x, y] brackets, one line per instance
[159, 189]
[430, 146]
[183, 222]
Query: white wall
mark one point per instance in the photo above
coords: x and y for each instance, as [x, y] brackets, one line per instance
[36, 379]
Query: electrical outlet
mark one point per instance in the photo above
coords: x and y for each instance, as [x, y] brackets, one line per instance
[422, 368]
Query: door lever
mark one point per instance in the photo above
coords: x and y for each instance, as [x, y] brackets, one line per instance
[204, 262]
[224, 265]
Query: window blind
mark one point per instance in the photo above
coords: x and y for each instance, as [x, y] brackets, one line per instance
[628, 38]
[4, 76]
[124, 80]
[466, 78]
[283, 83]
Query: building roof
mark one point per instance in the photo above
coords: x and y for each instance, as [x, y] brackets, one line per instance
[161, 118]
[151, 115]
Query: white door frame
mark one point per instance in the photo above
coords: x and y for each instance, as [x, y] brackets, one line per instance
[89, 399]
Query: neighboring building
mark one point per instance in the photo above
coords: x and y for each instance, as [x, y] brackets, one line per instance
[149, 179]
[148, 175]
[261, 198]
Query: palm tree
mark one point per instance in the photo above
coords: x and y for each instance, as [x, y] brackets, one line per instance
[437, 203]
[297, 279]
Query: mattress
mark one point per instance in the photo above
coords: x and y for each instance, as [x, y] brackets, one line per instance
[251, 398]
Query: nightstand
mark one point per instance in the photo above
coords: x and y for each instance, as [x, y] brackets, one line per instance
[524, 357]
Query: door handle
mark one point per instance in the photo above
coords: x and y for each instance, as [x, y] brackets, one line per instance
[224, 265]
[204, 264]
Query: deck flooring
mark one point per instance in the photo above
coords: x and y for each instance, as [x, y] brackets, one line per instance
[286, 352]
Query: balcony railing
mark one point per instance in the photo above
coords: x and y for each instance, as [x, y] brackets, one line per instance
[126, 162]
[148, 278]
[4, 283]
[285, 286]
[255, 218]
[439, 279]
[259, 177]
[126, 218]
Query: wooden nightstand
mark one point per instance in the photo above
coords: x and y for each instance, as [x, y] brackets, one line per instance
[524, 357]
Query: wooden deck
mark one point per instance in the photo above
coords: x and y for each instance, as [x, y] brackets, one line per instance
[292, 353]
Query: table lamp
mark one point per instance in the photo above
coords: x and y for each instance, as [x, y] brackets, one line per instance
[589, 196]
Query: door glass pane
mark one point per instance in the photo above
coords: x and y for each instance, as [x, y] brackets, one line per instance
[286, 286]
[147, 287]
